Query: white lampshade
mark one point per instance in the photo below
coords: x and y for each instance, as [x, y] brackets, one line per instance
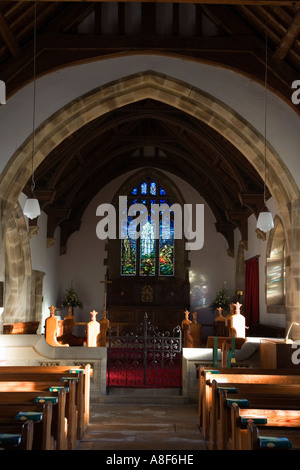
[32, 208]
[265, 220]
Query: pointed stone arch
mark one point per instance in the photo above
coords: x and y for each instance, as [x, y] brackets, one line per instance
[188, 99]
[138, 87]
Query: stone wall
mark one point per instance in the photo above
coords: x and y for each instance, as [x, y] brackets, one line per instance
[33, 350]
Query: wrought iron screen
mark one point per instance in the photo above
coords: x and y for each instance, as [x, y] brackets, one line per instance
[144, 357]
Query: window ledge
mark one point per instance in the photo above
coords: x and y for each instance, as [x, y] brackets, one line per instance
[276, 309]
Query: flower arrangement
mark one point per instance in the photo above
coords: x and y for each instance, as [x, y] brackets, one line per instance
[222, 299]
[71, 298]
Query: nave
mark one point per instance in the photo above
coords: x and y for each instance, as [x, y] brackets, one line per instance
[144, 426]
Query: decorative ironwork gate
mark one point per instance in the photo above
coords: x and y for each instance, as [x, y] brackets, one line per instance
[144, 357]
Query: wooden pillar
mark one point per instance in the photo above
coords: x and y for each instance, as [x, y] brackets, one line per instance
[51, 329]
[104, 325]
[93, 330]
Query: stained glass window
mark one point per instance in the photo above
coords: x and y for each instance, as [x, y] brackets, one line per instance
[166, 251]
[147, 250]
[128, 256]
[153, 188]
[128, 251]
[148, 254]
[144, 187]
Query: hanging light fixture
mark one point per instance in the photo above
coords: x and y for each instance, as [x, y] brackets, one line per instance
[265, 219]
[32, 207]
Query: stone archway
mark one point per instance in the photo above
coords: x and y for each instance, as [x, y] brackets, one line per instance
[190, 100]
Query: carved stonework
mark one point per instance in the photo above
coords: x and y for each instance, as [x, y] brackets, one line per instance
[260, 234]
[45, 363]
[33, 230]
[147, 294]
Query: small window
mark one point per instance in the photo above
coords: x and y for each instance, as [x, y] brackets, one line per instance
[276, 267]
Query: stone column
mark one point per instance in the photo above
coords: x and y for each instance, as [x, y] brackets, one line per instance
[293, 270]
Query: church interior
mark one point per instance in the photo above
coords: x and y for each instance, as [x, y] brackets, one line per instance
[114, 115]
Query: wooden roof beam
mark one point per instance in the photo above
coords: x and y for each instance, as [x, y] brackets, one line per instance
[289, 38]
[223, 17]
[209, 2]
[69, 17]
[9, 38]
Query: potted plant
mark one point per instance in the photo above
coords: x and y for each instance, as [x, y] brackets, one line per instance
[71, 300]
[222, 299]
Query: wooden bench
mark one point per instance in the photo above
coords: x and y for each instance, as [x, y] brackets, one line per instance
[43, 387]
[83, 395]
[83, 386]
[261, 396]
[231, 379]
[12, 437]
[204, 373]
[27, 401]
[263, 418]
[284, 438]
[42, 418]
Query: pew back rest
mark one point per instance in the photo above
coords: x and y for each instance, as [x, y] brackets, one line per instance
[253, 378]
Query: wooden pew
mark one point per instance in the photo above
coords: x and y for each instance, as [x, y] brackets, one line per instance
[261, 396]
[270, 439]
[262, 418]
[232, 380]
[39, 378]
[42, 435]
[204, 373]
[43, 387]
[12, 437]
[83, 396]
[26, 399]
[57, 373]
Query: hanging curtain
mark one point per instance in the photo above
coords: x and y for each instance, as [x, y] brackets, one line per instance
[252, 292]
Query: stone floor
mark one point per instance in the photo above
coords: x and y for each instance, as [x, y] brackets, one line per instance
[115, 426]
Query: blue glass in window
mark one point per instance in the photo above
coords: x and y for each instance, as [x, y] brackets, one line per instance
[144, 187]
[133, 201]
[153, 188]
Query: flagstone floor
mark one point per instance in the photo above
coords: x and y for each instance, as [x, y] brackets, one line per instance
[143, 427]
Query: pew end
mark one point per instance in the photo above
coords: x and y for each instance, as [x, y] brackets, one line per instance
[23, 438]
[271, 439]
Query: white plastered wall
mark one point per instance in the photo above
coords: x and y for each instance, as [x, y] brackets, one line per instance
[57, 89]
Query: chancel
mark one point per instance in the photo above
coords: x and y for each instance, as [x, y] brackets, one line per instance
[154, 136]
